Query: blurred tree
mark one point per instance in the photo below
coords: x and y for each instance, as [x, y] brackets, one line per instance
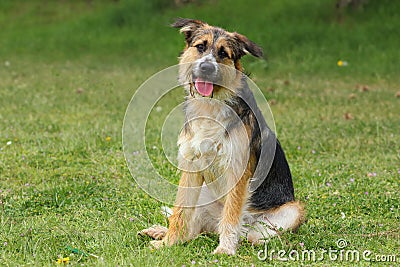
[355, 4]
[182, 2]
[342, 6]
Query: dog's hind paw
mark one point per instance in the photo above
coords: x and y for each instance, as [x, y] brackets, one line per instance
[156, 232]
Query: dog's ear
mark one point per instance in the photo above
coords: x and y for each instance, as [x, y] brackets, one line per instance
[188, 27]
[247, 47]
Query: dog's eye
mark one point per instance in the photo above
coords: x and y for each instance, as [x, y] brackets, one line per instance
[222, 53]
[201, 48]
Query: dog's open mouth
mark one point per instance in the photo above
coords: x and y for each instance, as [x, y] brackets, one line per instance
[204, 88]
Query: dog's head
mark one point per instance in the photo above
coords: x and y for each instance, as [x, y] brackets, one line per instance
[210, 63]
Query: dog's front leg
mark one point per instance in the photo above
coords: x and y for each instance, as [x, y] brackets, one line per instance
[230, 224]
[181, 220]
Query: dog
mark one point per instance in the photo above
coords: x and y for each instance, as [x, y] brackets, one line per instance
[235, 181]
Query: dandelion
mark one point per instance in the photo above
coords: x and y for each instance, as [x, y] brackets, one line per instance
[108, 139]
[63, 260]
[342, 63]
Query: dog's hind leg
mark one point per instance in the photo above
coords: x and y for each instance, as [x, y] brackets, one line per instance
[286, 217]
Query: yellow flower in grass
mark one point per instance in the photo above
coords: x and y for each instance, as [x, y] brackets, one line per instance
[342, 63]
[63, 260]
[108, 139]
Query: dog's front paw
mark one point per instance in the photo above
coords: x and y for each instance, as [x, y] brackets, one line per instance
[224, 250]
[156, 232]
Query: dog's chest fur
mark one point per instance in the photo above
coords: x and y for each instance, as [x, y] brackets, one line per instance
[210, 145]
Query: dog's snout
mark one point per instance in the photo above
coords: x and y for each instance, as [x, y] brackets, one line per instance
[207, 67]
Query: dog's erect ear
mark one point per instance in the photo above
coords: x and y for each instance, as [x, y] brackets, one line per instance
[188, 27]
[247, 46]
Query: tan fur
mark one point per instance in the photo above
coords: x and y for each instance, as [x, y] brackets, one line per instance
[230, 225]
[204, 38]
[181, 218]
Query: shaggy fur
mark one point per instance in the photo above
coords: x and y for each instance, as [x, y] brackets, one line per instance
[235, 177]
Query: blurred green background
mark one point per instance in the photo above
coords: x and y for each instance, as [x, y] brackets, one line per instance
[306, 37]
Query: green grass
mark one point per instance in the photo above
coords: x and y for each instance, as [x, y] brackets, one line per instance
[68, 70]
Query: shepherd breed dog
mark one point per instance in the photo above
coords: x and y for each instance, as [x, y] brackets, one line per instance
[235, 179]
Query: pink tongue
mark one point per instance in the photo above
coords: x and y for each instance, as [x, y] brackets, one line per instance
[203, 87]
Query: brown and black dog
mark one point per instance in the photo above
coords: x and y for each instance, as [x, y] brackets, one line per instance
[235, 177]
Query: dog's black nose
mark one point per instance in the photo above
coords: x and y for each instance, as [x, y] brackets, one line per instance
[207, 67]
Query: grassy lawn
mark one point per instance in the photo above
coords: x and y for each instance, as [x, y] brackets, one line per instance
[68, 70]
